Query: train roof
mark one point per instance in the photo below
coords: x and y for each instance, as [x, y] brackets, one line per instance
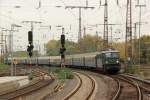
[109, 51]
[91, 54]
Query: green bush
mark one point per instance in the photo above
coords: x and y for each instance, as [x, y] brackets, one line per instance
[69, 73]
[132, 69]
[65, 74]
[62, 73]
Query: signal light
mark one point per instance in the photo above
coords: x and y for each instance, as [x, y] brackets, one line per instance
[30, 37]
[62, 39]
[30, 54]
[62, 50]
[30, 49]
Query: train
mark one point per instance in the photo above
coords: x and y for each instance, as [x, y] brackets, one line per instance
[107, 60]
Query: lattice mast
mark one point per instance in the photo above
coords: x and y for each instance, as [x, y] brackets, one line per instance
[128, 37]
[105, 44]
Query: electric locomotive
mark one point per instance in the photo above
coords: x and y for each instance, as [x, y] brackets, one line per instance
[106, 60]
[109, 61]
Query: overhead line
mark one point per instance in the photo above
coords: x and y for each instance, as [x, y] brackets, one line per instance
[84, 21]
[68, 10]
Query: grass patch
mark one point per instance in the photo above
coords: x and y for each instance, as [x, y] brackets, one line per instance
[3, 66]
[62, 73]
[132, 69]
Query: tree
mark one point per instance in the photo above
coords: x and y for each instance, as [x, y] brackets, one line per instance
[52, 48]
[24, 53]
[145, 49]
[90, 44]
[121, 48]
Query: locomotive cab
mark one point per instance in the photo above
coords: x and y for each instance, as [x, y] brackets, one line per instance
[109, 61]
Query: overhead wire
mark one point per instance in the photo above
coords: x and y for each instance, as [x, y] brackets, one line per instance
[69, 9]
[83, 20]
[14, 20]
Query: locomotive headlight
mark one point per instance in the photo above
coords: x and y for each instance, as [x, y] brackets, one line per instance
[117, 61]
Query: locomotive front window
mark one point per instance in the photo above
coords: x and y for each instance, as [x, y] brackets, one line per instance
[112, 55]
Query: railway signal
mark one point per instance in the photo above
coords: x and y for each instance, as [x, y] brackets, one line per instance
[30, 37]
[30, 46]
[62, 50]
[63, 40]
[30, 49]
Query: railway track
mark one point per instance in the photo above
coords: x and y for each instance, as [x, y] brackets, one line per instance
[118, 90]
[80, 85]
[25, 90]
[124, 83]
[143, 84]
[18, 93]
[127, 89]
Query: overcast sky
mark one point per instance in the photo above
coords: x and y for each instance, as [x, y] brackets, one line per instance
[49, 14]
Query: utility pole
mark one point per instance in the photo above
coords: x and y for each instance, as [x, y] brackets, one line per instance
[134, 46]
[134, 42]
[80, 11]
[128, 37]
[135, 32]
[84, 33]
[111, 29]
[97, 37]
[2, 47]
[105, 43]
[105, 34]
[5, 42]
[1, 43]
[11, 44]
[140, 8]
